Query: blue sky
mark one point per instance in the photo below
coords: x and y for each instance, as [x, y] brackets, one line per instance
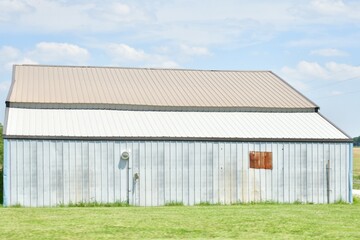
[312, 44]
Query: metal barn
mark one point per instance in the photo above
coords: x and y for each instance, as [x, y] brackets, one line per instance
[153, 136]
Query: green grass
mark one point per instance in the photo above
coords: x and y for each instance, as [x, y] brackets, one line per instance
[356, 168]
[248, 221]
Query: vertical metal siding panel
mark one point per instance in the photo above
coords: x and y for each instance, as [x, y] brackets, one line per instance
[136, 169]
[197, 169]
[191, 156]
[221, 173]
[209, 172]
[161, 174]
[338, 181]
[66, 175]
[347, 160]
[291, 174]
[33, 173]
[148, 181]
[297, 172]
[203, 173]
[92, 187]
[26, 174]
[333, 173]
[104, 173]
[142, 169]
[239, 173]
[167, 173]
[110, 164]
[59, 172]
[177, 163]
[46, 166]
[251, 178]
[315, 173]
[227, 173]
[245, 185]
[324, 162]
[269, 174]
[215, 173]
[179, 172]
[286, 172]
[309, 173]
[7, 174]
[261, 177]
[154, 173]
[321, 176]
[257, 178]
[185, 170]
[124, 175]
[233, 169]
[274, 172]
[40, 173]
[10, 173]
[116, 170]
[85, 171]
[52, 173]
[280, 175]
[305, 172]
[20, 171]
[97, 176]
[129, 174]
[79, 172]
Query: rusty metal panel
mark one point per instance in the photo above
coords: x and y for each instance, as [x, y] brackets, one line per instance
[261, 160]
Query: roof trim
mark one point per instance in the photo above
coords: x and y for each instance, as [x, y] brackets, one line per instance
[176, 139]
[131, 107]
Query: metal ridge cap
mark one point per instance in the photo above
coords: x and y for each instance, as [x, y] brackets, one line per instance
[143, 138]
[132, 107]
[140, 68]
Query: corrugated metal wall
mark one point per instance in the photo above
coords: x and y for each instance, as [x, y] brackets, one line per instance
[47, 173]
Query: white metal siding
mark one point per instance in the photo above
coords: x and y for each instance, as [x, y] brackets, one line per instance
[113, 123]
[47, 173]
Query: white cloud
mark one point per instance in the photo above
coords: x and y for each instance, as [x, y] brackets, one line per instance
[328, 52]
[194, 51]
[328, 12]
[60, 16]
[313, 71]
[10, 9]
[44, 53]
[10, 56]
[59, 53]
[125, 54]
[329, 6]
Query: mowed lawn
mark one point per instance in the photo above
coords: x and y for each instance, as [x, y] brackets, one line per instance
[257, 221]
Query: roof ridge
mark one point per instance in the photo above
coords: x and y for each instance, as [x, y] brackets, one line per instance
[138, 68]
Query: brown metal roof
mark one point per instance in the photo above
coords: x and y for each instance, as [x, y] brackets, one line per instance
[153, 87]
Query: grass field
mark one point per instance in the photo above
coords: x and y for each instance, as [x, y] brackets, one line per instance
[238, 221]
[356, 166]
